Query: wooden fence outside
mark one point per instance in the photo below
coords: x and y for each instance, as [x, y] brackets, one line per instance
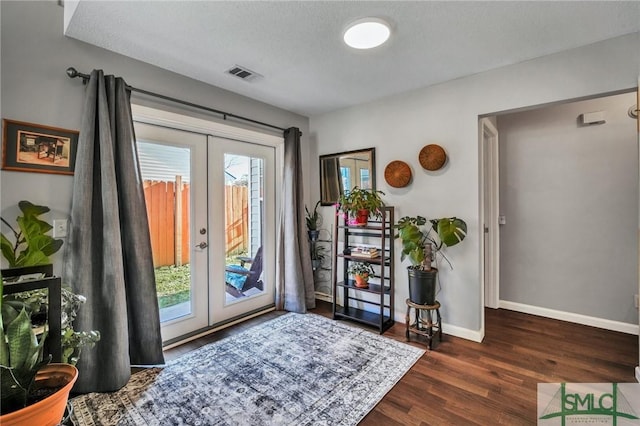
[168, 213]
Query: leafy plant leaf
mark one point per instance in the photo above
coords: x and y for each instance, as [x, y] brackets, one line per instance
[451, 231]
[32, 210]
[7, 250]
[14, 395]
[23, 342]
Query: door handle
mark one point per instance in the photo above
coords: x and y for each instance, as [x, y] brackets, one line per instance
[203, 245]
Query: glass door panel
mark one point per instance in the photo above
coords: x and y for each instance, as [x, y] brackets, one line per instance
[173, 167]
[242, 181]
[243, 188]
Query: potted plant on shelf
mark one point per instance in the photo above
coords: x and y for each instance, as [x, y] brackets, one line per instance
[313, 221]
[33, 392]
[317, 256]
[361, 203]
[422, 241]
[361, 272]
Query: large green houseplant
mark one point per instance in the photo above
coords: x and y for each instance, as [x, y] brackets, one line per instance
[422, 241]
[360, 203]
[33, 246]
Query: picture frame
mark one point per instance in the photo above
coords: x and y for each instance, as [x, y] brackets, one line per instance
[29, 147]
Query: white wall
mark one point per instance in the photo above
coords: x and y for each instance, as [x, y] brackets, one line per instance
[35, 88]
[569, 193]
[447, 114]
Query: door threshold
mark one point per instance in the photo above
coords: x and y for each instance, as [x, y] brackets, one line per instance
[172, 343]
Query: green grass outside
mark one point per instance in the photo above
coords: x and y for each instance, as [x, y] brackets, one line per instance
[173, 283]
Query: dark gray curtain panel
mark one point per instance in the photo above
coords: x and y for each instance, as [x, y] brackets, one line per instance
[294, 280]
[108, 256]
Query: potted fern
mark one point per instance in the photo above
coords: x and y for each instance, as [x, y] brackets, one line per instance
[317, 256]
[422, 241]
[361, 203]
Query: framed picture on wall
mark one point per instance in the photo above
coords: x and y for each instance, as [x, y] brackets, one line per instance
[29, 147]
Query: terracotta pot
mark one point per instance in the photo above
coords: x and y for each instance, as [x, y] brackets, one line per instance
[362, 281]
[49, 411]
[362, 217]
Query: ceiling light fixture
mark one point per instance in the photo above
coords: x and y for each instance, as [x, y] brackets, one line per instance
[367, 33]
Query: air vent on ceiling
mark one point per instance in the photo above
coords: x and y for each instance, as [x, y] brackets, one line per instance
[243, 73]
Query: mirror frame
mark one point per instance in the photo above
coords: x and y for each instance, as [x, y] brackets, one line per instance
[324, 183]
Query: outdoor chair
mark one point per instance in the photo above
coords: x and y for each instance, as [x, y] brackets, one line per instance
[240, 279]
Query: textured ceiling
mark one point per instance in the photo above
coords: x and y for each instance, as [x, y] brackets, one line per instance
[297, 45]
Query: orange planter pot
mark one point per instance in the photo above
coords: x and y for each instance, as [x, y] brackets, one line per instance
[362, 281]
[49, 411]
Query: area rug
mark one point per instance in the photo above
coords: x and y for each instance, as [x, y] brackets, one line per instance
[297, 369]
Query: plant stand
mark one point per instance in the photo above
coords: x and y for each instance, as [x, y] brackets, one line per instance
[53, 345]
[424, 323]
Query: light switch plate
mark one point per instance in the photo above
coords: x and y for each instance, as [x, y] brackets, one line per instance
[60, 228]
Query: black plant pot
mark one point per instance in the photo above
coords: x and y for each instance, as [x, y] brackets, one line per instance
[313, 235]
[422, 286]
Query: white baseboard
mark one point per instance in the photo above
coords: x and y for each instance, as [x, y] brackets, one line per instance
[324, 296]
[451, 330]
[571, 317]
[464, 333]
[638, 374]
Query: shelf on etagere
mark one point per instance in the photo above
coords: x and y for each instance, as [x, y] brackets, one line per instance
[374, 260]
[364, 317]
[373, 288]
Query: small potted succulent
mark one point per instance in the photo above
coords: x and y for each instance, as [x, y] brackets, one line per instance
[361, 272]
[361, 203]
[421, 241]
[313, 221]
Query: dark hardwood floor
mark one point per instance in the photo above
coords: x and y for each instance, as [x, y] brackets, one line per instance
[493, 382]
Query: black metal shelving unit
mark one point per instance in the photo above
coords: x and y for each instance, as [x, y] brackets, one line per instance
[373, 305]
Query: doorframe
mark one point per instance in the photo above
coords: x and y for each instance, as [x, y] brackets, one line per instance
[489, 206]
[207, 127]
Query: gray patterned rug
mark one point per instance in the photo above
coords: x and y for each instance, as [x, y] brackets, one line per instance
[293, 370]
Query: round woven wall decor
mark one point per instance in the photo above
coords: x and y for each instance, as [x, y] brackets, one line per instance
[397, 174]
[432, 157]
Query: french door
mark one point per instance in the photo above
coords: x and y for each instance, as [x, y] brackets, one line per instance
[242, 195]
[211, 208]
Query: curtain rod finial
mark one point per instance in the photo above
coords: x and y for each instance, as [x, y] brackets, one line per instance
[73, 73]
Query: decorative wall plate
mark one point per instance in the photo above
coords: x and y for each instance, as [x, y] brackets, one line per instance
[397, 174]
[432, 157]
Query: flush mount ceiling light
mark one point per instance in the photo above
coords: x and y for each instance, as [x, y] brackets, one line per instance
[367, 33]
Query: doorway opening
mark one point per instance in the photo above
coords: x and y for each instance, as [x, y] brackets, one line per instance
[567, 212]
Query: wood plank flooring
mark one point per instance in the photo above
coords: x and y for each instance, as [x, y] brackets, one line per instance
[489, 383]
